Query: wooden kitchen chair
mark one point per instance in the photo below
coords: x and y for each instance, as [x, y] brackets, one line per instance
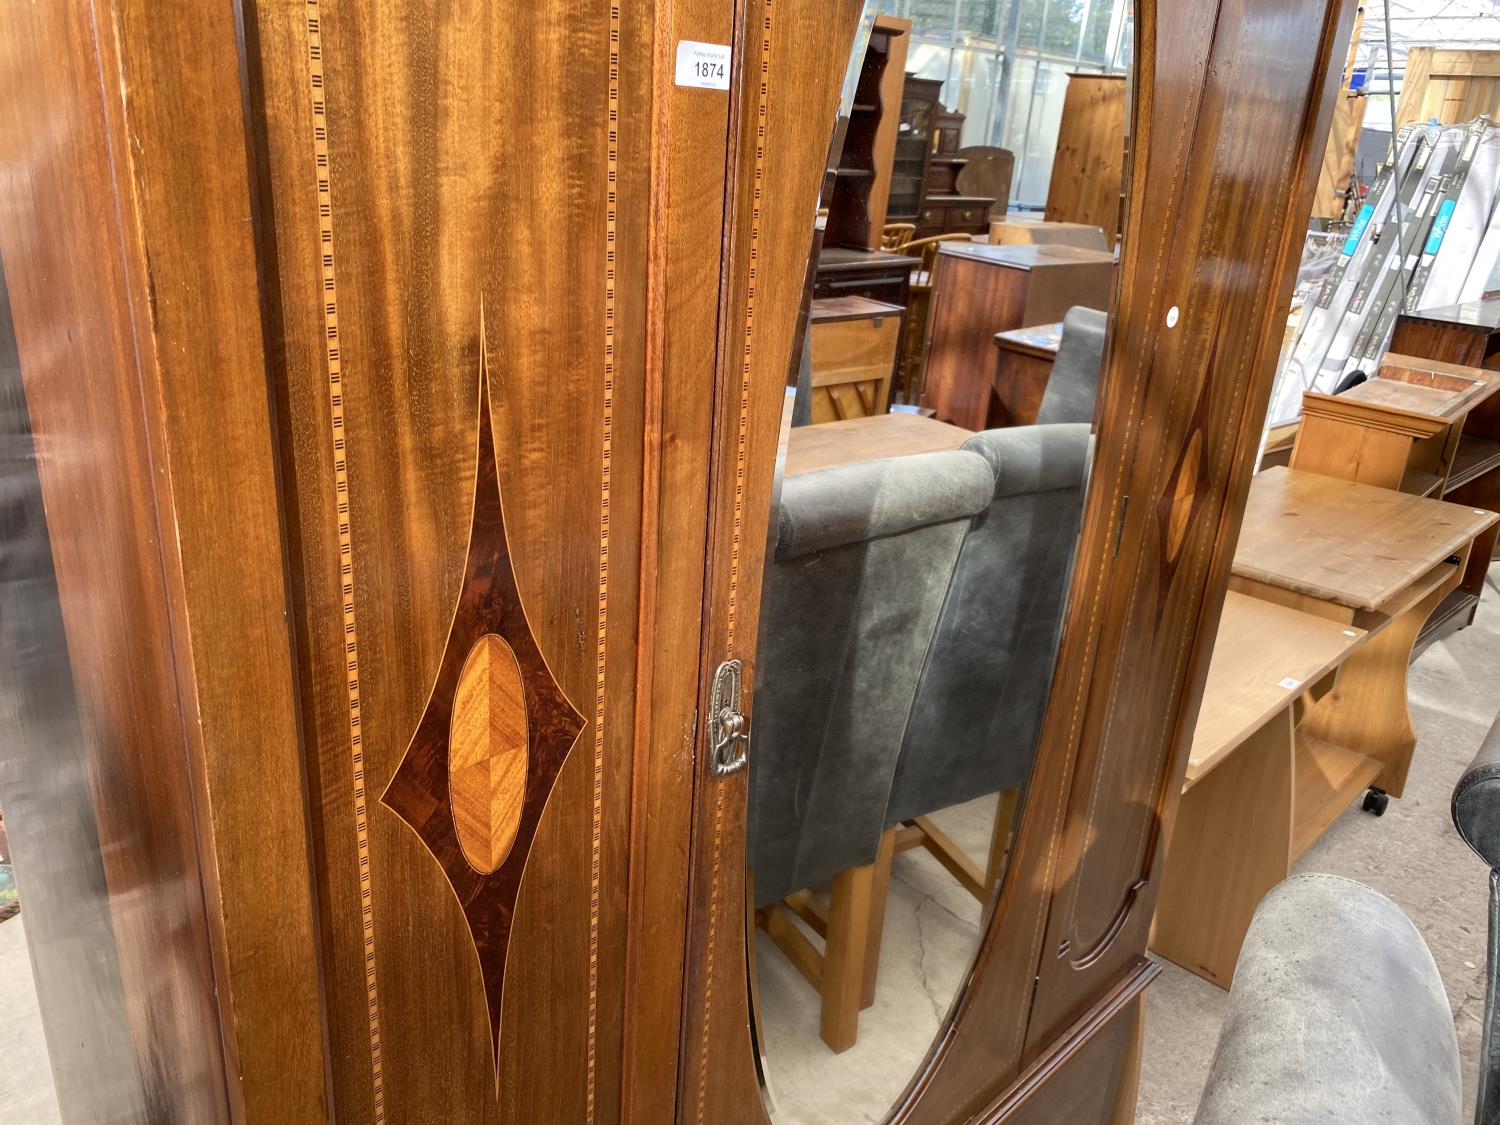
[983, 688]
[862, 562]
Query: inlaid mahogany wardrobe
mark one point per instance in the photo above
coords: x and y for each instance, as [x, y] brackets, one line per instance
[391, 410]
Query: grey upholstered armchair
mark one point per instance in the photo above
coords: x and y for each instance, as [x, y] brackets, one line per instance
[1073, 385]
[978, 706]
[863, 557]
[1337, 1013]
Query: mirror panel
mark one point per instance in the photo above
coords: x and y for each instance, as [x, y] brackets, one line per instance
[934, 460]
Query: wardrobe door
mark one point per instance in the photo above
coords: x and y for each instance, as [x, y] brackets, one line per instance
[1230, 111]
[456, 203]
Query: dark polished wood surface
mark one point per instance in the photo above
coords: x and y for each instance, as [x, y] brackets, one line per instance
[132, 275]
[1023, 368]
[982, 289]
[781, 140]
[446, 245]
[1230, 117]
[251, 381]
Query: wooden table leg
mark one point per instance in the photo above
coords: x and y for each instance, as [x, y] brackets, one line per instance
[880, 888]
[1231, 843]
[844, 961]
[1367, 710]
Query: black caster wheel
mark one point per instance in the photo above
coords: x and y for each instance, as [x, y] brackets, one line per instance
[1376, 801]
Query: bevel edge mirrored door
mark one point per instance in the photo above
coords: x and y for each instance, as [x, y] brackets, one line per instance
[1047, 1032]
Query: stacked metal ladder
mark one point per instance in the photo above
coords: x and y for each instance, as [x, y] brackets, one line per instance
[1430, 222]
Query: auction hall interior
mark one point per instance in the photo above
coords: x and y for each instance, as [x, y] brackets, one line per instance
[749, 562]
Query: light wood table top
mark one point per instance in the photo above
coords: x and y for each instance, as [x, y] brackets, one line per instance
[868, 439]
[1265, 656]
[1351, 544]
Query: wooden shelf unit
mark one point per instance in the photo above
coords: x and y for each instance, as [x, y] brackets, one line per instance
[1467, 334]
[862, 183]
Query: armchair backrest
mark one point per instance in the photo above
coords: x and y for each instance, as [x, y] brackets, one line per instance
[1074, 384]
[984, 684]
[863, 557]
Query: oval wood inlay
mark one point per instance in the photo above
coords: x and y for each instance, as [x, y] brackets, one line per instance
[487, 741]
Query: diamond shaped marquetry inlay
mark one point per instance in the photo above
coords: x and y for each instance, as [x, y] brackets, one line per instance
[492, 739]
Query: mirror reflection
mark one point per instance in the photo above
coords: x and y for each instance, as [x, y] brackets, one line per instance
[928, 503]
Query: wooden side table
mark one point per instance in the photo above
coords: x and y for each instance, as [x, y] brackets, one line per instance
[867, 439]
[1413, 427]
[1023, 365]
[1371, 558]
[1251, 802]
[980, 290]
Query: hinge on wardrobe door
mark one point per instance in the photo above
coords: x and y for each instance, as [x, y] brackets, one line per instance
[726, 720]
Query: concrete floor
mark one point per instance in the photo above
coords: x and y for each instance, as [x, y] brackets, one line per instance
[26, 1093]
[931, 933]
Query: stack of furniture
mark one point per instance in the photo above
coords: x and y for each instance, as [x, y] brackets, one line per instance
[862, 184]
[980, 290]
[1088, 166]
[1422, 426]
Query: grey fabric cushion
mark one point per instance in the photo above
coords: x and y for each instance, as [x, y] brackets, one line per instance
[984, 685]
[1337, 1015]
[1476, 814]
[863, 558]
[1074, 383]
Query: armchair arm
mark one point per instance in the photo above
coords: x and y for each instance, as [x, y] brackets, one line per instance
[1476, 801]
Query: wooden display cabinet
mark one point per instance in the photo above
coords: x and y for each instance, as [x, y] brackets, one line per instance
[980, 290]
[914, 141]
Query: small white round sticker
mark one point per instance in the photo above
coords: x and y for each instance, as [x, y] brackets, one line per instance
[1172, 317]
